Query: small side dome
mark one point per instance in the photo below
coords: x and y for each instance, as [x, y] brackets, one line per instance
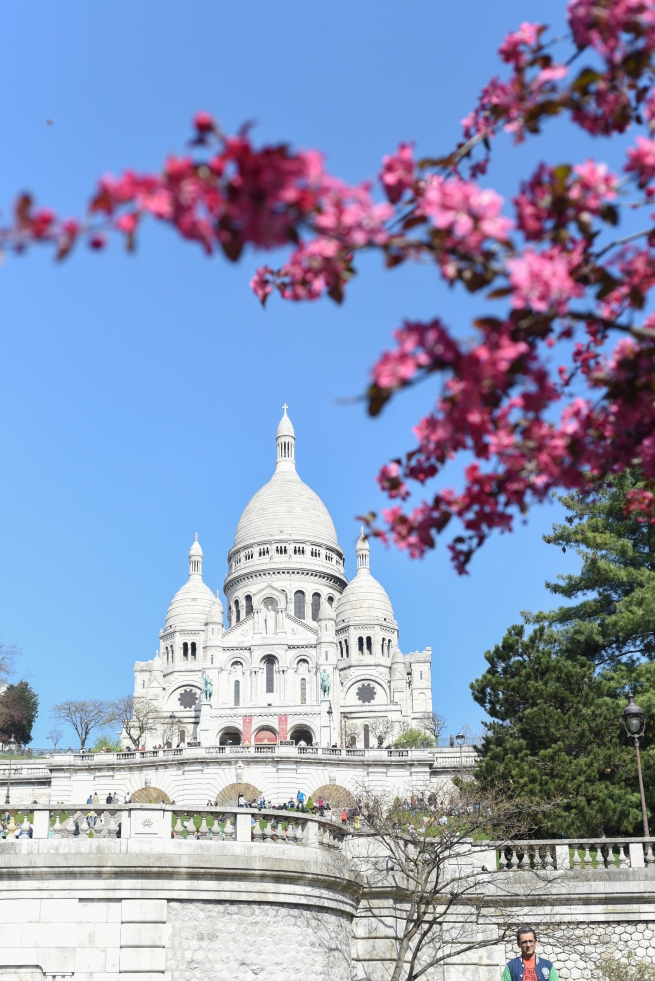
[191, 604]
[215, 614]
[364, 600]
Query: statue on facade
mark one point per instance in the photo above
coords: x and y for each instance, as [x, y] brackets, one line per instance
[207, 687]
[325, 683]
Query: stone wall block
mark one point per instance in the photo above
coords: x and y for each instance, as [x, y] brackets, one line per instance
[89, 959]
[59, 910]
[56, 960]
[92, 912]
[143, 911]
[19, 911]
[143, 935]
[107, 934]
[134, 959]
[636, 855]
[141, 976]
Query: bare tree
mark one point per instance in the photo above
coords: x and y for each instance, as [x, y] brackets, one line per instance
[432, 723]
[351, 731]
[167, 727]
[8, 656]
[382, 729]
[433, 855]
[54, 734]
[137, 717]
[85, 716]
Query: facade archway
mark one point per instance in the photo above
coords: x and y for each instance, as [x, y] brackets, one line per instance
[150, 795]
[302, 733]
[265, 735]
[230, 737]
[337, 796]
[229, 796]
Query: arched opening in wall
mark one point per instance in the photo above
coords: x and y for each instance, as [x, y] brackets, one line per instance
[340, 649]
[360, 645]
[185, 651]
[237, 693]
[369, 645]
[237, 611]
[229, 796]
[248, 601]
[299, 605]
[150, 795]
[345, 644]
[303, 691]
[181, 737]
[316, 605]
[336, 796]
[330, 600]
[265, 736]
[367, 736]
[269, 669]
[193, 650]
[302, 734]
[230, 737]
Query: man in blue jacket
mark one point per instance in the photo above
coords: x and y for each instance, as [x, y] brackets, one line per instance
[529, 966]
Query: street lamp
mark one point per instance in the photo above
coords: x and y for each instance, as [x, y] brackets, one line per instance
[12, 745]
[460, 737]
[329, 714]
[634, 720]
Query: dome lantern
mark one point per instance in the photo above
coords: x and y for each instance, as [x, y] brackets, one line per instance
[285, 439]
[195, 559]
[363, 553]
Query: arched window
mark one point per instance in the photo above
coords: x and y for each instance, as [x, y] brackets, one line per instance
[340, 649]
[303, 691]
[299, 605]
[167, 655]
[270, 676]
[330, 600]
[303, 665]
[369, 646]
[360, 645]
[237, 611]
[383, 642]
[248, 605]
[316, 605]
[367, 736]
[185, 651]
[193, 650]
[347, 648]
[237, 693]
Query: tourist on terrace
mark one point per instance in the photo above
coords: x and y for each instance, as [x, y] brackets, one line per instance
[528, 966]
[300, 797]
[241, 801]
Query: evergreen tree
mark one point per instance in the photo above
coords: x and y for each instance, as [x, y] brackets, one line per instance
[19, 706]
[613, 619]
[556, 693]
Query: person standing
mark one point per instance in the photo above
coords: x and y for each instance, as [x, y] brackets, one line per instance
[528, 966]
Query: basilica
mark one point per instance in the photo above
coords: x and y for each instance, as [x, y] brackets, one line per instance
[307, 657]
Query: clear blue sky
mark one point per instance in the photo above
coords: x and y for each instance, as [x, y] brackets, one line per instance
[139, 395]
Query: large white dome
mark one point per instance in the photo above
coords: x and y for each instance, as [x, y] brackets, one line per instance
[285, 506]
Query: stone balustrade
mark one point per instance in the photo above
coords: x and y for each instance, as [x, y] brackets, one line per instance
[216, 824]
[442, 757]
[578, 854]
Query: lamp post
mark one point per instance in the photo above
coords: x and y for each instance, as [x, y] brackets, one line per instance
[11, 744]
[634, 720]
[329, 715]
[460, 737]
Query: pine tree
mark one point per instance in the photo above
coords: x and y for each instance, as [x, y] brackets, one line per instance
[556, 693]
[613, 619]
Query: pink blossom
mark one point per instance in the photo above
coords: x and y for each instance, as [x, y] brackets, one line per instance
[541, 282]
[397, 175]
[512, 48]
[641, 160]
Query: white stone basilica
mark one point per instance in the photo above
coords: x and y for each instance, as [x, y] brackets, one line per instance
[307, 656]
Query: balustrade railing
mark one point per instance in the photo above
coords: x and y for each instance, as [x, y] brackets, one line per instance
[577, 854]
[165, 822]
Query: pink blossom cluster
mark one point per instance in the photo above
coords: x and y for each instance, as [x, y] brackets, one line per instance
[538, 399]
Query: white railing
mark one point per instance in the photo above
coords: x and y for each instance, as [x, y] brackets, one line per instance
[164, 822]
[577, 854]
[437, 757]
